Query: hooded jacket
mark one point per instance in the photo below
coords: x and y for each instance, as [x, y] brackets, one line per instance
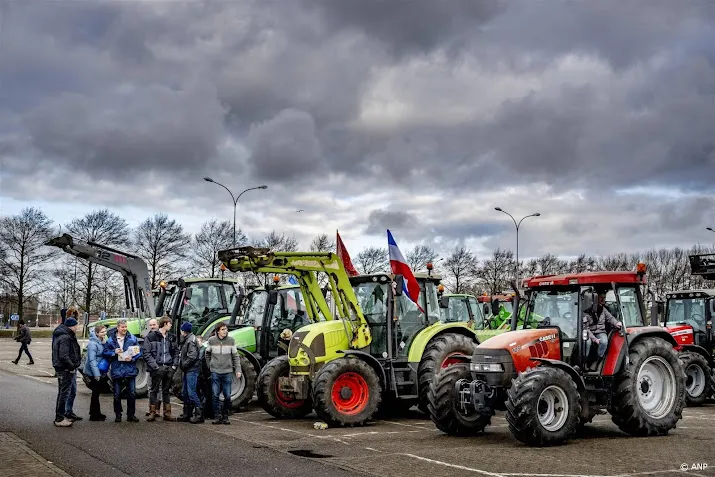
[160, 350]
[94, 354]
[66, 355]
[24, 335]
[121, 369]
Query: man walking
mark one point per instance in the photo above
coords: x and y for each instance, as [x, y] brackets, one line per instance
[162, 357]
[25, 338]
[224, 362]
[123, 351]
[66, 358]
[190, 364]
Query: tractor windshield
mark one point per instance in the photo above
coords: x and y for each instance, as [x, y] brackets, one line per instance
[555, 308]
[253, 316]
[208, 302]
[687, 310]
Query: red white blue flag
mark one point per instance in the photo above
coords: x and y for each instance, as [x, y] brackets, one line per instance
[399, 266]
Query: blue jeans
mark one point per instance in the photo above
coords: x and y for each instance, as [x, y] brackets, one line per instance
[72, 394]
[221, 383]
[63, 392]
[131, 395]
[189, 388]
[603, 343]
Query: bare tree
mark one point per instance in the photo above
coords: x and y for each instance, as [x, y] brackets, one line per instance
[582, 263]
[461, 267]
[278, 242]
[322, 243]
[498, 271]
[61, 284]
[23, 238]
[373, 260]
[108, 294]
[161, 242]
[102, 227]
[214, 236]
[420, 256]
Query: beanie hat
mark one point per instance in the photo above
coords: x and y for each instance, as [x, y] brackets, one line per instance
[186, 326]
[70, 322]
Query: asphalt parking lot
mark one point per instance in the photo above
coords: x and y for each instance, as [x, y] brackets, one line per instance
[411, 446]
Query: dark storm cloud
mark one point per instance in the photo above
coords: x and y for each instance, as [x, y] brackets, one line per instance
[357, 97]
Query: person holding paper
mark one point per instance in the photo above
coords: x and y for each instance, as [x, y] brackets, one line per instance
[122, 349]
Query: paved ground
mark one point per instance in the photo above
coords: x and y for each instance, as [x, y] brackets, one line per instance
[260, 445]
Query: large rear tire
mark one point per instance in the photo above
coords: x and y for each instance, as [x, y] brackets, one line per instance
[346, 392]
[444, 404]
[141, 382]
[437, 356]
[242, 388]
[271, 399]
[543, 407]
[698, 378]
[649, 396]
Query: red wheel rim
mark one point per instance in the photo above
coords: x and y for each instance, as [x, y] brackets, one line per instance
[350, 393]
[450, 360]
[285, 400]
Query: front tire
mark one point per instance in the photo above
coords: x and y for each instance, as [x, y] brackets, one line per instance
[543, 407]
[698, 378]
[242, 388]
[346, 392]
[444, 404]
[649, 396]
[438, 356]
[141, 382]
[272, 400]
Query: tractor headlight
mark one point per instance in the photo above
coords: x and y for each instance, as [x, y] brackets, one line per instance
[486, 367]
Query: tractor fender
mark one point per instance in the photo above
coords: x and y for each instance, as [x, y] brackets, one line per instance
[251, 358]
[640, 334]
[371, 360]
[697, 349]
[554, 363]
[424, 337]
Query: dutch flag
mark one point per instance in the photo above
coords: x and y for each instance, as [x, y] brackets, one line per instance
[399, 266]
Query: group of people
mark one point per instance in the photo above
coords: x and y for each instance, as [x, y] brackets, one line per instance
[113, 355]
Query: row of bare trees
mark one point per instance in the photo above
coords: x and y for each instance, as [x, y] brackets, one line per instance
[31, 269]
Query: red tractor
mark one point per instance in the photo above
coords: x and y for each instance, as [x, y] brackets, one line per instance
[689, 319]
[549, 385]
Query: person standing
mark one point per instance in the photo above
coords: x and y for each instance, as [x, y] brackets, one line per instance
[66, 358]
[97, 376]
[123, 369]
[24, 337]
[162, 357]
[153, 326]
[224, 362]
[190, 364]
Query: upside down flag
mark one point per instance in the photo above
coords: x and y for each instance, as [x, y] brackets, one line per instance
[292, 280]
[399, 266]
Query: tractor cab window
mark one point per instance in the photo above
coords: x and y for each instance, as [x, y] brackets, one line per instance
[687, 310]
[477, 312]
[457, 311]
[429, 290]
[554, 308]
[253, 316]
[208, 302]
[630, 313]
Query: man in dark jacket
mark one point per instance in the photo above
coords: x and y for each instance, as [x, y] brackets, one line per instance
[66, 358]
[25, 338]
[190, 364]
[162, 357]
[122, 349]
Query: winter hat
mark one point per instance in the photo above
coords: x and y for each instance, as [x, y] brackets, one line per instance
[70, 322]
[186, 326]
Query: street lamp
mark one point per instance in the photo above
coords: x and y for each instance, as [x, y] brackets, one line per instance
[235, 201]
[517, 235]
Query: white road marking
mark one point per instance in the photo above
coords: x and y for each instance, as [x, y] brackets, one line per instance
[453, 466]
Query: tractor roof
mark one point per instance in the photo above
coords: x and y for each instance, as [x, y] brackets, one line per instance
[232, 281]
[699, 293]
[585, 278]
[459, 295]
[490, 298]
[389, 276]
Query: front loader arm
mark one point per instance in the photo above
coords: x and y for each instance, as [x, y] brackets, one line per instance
[305, 266]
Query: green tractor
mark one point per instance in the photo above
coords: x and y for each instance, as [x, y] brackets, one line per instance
[460, 307]
[384, 348]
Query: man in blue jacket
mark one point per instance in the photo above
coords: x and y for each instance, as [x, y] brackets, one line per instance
[122, 349]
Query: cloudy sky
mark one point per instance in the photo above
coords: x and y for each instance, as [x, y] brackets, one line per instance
[419, 116]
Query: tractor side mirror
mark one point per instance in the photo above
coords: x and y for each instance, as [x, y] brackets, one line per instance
[272, 297]
[712, 307]
[188, 293]
[495, 307]
[486, 309]
[399, 284]
[444, 302]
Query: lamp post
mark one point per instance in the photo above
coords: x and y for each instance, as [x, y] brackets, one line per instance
[235, 201]
[517, 236]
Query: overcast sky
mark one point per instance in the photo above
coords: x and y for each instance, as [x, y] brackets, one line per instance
[419, 116]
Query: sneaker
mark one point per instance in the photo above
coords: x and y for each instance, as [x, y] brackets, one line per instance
[63, 423]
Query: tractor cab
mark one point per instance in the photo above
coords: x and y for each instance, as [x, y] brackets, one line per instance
[203, 302]
[497, 309]
[410, 317]
[459, 308]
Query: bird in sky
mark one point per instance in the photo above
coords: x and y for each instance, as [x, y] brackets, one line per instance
[299, 210]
